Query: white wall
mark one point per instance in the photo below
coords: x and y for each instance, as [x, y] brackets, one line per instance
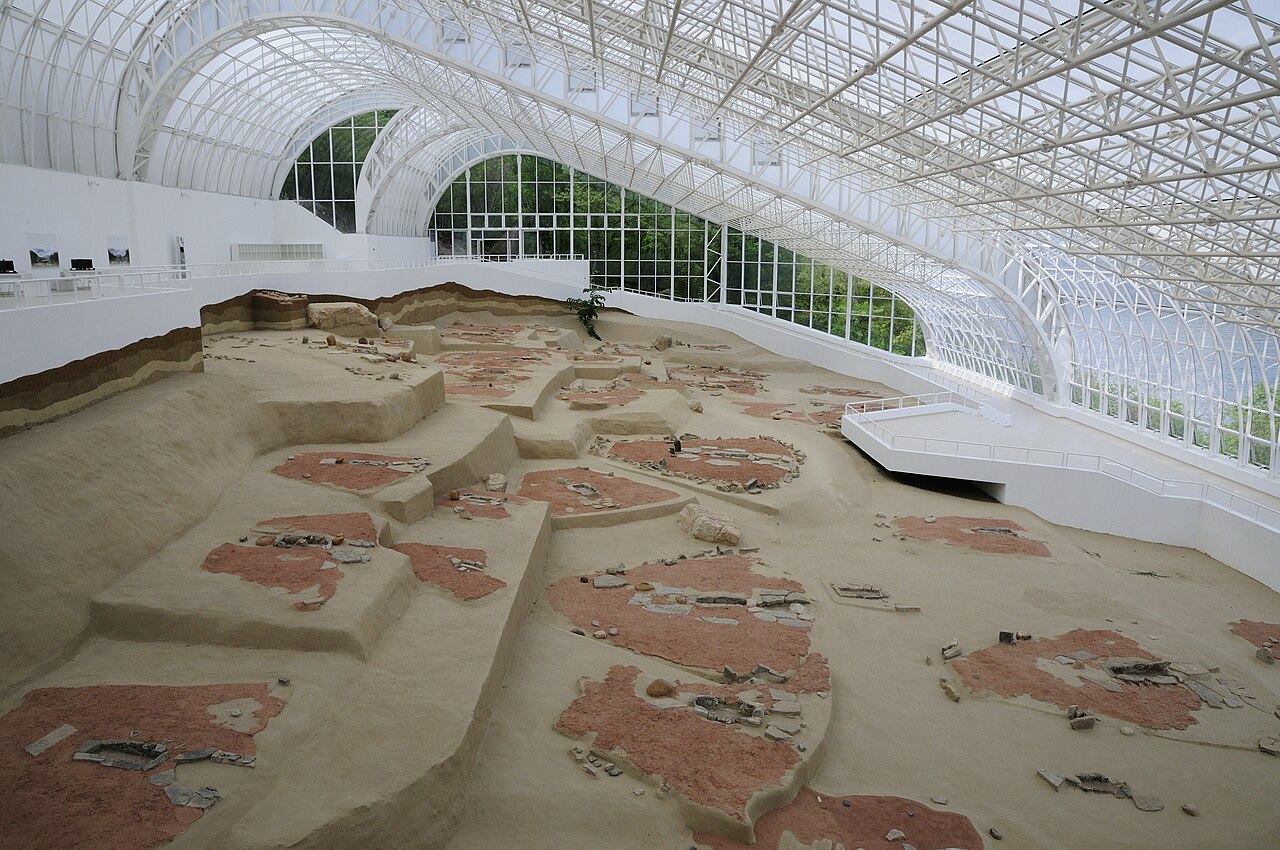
[83, 211]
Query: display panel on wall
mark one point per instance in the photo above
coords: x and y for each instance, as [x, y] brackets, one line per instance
[118, 250]
[43, 248]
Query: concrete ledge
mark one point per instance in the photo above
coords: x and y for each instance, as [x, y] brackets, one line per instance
[409, 500]
[164, 601]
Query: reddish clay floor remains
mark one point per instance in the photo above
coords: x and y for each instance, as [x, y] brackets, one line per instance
[312, 468]
[480, 503]
[653, 451]
[613, 398]
[993, 536]
[51, 801]
[864, 823]
[844, 392]
[482, 333]
[1256, 632]
[353, 526]
[433, 565]
[824, 415]
[488, 374]
[296, 569]
[735, 638]
[614, 492]
[713, 764]
[740, 381]
[1011, 671]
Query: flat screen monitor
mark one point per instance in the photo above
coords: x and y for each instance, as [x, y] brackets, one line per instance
[6, 267]
[82, 264]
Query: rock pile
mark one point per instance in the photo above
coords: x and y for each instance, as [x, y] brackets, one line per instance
[712, 526]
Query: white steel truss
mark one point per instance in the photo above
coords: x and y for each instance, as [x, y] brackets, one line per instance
[1079, 197]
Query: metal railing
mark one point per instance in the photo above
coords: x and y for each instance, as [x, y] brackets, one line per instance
[880, 405]
[1241, 506]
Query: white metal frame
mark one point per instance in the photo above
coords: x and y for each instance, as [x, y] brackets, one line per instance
[1075, 195]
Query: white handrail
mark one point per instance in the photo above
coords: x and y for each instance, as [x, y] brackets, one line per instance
[1242, 506]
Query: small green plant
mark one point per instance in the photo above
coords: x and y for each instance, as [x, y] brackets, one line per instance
[588, 308]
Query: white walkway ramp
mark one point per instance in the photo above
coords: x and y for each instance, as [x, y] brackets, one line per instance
[1072, 475]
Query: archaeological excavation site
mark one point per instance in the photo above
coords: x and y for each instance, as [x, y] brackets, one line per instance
[617, 425]
[443, 571]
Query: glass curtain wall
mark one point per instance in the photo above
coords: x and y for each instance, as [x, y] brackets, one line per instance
[528, 206]
[324, 177]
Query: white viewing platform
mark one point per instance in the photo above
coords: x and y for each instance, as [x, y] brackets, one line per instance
[1072, 475]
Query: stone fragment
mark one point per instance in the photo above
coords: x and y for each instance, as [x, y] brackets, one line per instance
[1270, 746]
[284, 680]
[996, 834]
[58, 735]
[608, 581]
[1191, 809]
[164, 777]
[1052, 778]
[789, 709]
[613, 632]
[894, 835]
[495, 482]
[1084, 721]
[196, 755]
[712, 526]
[600, 634]
[340, 314]
[940, 801]
[660, 688]
[179, 795]
[1265, 654]
[695, 406]
[331, 340]
[1146, 803]
[773, 733]
[662, 342]
[950, 690]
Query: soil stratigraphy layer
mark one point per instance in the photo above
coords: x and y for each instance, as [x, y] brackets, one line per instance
[433, 565]
[721, 469]
[669, 623]
[1013, 670]
[864, 823]
[613, 398]
[294, 568]
[611, 491]
[712, 764]
[54, 802]
[981, 534]
[353, 526]
[1256, 632]
[484, 504]
[319, 468]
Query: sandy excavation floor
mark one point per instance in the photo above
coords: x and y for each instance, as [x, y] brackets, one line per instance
[423, 611]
